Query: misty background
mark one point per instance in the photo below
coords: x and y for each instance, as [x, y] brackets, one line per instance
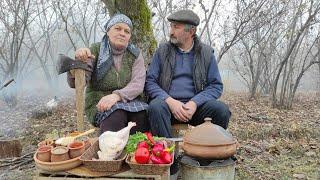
[264, 47]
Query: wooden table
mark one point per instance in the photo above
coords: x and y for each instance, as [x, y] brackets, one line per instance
[72, 174]
[82, 172]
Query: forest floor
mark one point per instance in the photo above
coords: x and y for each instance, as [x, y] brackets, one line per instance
[274, 144]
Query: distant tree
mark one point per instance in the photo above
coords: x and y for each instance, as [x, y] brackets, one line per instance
[299, 16]
[14, 19]
[80, 20]
[274, 57]
[254, 54]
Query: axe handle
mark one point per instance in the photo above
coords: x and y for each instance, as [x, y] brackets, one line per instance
[80, 83]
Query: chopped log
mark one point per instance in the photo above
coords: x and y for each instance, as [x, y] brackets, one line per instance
[10, 148]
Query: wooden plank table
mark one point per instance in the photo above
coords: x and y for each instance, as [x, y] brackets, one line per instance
[82, 172]
[68, 175]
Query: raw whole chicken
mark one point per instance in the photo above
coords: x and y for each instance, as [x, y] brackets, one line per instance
[111, 144]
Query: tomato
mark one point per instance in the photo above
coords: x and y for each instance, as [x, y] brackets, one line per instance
[143, 144]
[142, 155]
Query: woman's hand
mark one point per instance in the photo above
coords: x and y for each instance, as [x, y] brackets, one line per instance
[83, 54]
[106, 102]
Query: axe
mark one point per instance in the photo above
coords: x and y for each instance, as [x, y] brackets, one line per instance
[6, 84]
[66, 64]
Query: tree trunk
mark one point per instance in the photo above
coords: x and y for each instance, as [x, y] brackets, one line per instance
[319, 68]
[292, 45]
[139, 12]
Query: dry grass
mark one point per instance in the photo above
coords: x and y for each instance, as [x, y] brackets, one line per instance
[275, 144]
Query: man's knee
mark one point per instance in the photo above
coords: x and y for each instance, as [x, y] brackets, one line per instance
[218, 107]
[157, 105]
[220, 112]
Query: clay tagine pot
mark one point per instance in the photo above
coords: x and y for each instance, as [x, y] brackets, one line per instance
[59, 153]
[209, 141]
[76, 149]
[44, 153]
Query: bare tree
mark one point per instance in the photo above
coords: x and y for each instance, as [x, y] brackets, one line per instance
[302, 19]
[14, 19]
[207, 19]
[161, 10]
[81, 20]
[318, 46]
[39, 42]
[254, 62]
[263, 59]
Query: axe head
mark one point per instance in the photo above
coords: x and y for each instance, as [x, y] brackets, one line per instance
[66, 64]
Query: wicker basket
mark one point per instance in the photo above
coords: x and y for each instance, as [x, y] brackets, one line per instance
[148, 169]
[98, 165]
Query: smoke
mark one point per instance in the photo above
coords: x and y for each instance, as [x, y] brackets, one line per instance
[20, 99]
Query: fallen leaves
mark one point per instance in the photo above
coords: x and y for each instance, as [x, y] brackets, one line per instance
[275, 144]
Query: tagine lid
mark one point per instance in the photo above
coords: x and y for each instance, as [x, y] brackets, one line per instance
[208, 134]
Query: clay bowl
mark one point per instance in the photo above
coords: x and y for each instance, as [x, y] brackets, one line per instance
[57, 166]
[47, 142]
[76, 149]
[44, 153]
[59, 153]
[86, 141]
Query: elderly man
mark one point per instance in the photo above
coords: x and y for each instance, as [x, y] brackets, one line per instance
[183, 81]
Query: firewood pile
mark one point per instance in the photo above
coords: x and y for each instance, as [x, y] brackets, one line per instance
[20, 163]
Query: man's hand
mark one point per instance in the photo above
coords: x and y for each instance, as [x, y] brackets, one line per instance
[191, 108]
[106, 102]
[83, 54]
[177, 110]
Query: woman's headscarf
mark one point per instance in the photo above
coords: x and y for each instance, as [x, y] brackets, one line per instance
[105, 59]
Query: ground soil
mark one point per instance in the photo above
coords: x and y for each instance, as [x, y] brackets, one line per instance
[274, 144]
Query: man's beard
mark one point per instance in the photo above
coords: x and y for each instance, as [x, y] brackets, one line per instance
[175, 41]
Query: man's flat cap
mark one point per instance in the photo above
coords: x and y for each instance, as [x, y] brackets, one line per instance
[185, 16]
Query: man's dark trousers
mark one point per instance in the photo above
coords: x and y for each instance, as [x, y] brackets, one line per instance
[160, 117]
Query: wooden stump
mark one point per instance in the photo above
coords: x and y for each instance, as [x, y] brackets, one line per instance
[10, 148]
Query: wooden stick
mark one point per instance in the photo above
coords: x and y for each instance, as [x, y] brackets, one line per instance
[80, 85]
[19, 160]
[16, 158]
[22, 163]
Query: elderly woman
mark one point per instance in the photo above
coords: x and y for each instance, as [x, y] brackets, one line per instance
[115, 86]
